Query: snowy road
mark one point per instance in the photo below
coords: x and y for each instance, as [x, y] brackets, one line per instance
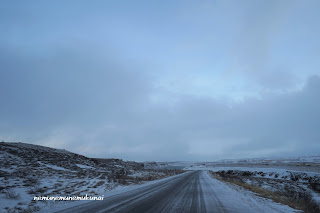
[191, 192]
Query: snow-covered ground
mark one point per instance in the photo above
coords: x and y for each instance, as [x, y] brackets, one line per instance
[294, 185]
[29, 170]
[217, 196]
[297, 175]
[237, 199]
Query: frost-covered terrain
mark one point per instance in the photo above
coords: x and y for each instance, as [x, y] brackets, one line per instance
[253, 185]
[293, 181]
[29, 170]
[194, 191]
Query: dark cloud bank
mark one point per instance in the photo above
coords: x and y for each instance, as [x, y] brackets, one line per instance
[95, 104]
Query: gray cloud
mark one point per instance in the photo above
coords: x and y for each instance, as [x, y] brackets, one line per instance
[91, 104]
[69, 86]
[86, 80]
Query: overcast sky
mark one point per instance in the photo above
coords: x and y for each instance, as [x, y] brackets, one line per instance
[162, 80]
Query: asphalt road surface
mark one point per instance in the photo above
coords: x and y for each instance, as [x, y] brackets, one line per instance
[190, 192]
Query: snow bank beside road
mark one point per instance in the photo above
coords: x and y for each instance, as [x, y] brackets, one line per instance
[236, 199]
